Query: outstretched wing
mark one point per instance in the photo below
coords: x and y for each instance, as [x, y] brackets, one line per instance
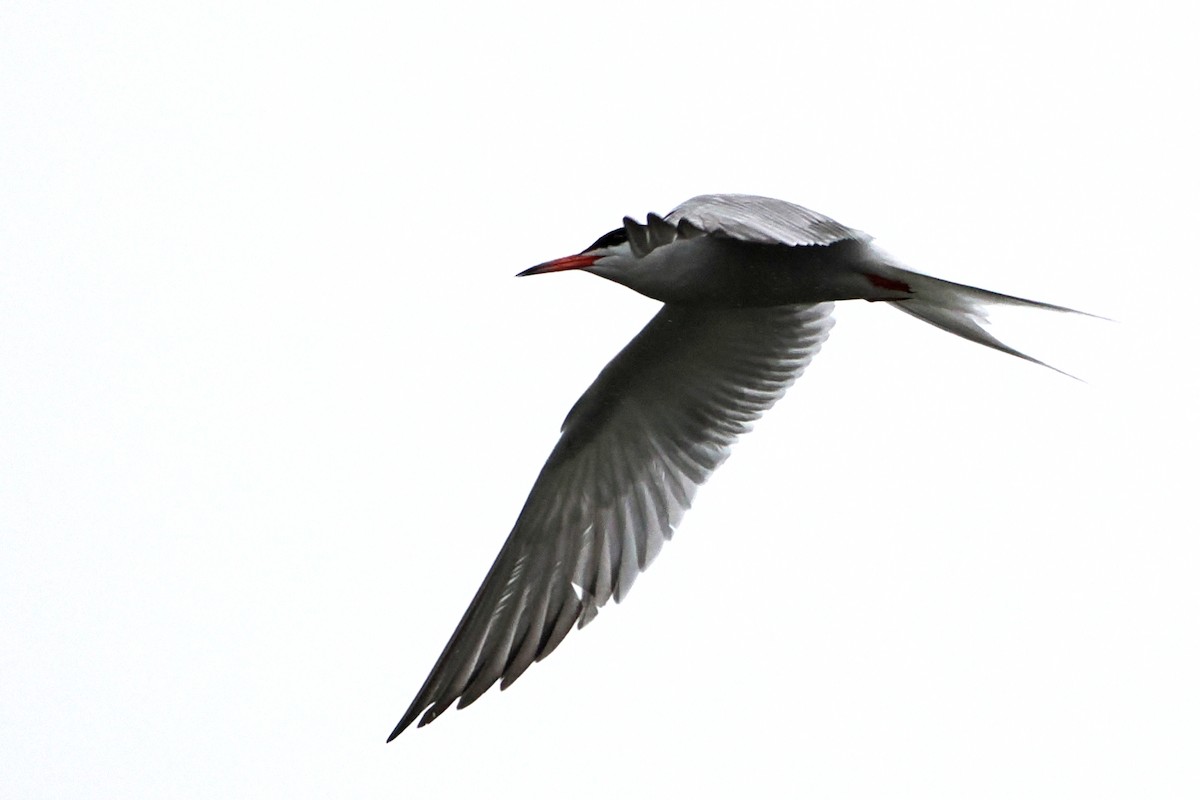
[651, 428]
[761, 219]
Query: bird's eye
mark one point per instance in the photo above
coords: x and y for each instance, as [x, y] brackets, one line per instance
[613, 237]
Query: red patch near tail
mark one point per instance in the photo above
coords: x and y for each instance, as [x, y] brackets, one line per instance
[889, 283]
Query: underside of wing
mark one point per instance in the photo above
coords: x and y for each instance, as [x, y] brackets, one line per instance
[764, 220]
[651, 428]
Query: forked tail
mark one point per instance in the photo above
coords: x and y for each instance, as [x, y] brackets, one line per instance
[962, 310]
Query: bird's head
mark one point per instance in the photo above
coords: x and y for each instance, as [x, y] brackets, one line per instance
[608, 254]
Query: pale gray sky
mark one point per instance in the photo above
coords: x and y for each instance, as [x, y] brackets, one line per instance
[270, 399]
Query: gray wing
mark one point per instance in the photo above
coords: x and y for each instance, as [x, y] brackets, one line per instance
[651, 428]
[761, 219]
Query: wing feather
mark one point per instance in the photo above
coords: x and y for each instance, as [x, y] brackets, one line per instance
[761, 219]
[634, 449]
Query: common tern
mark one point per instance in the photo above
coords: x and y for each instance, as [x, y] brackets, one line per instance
[747, 284]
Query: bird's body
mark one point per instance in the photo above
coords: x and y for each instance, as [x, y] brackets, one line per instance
[725, 272]
[714, 251]
[747, 283]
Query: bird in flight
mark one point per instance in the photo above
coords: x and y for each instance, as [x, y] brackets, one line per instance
[747, 284]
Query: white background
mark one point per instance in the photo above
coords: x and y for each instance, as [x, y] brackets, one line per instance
[270, 399]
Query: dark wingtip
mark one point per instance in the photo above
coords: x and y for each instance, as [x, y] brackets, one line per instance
[405, 721]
